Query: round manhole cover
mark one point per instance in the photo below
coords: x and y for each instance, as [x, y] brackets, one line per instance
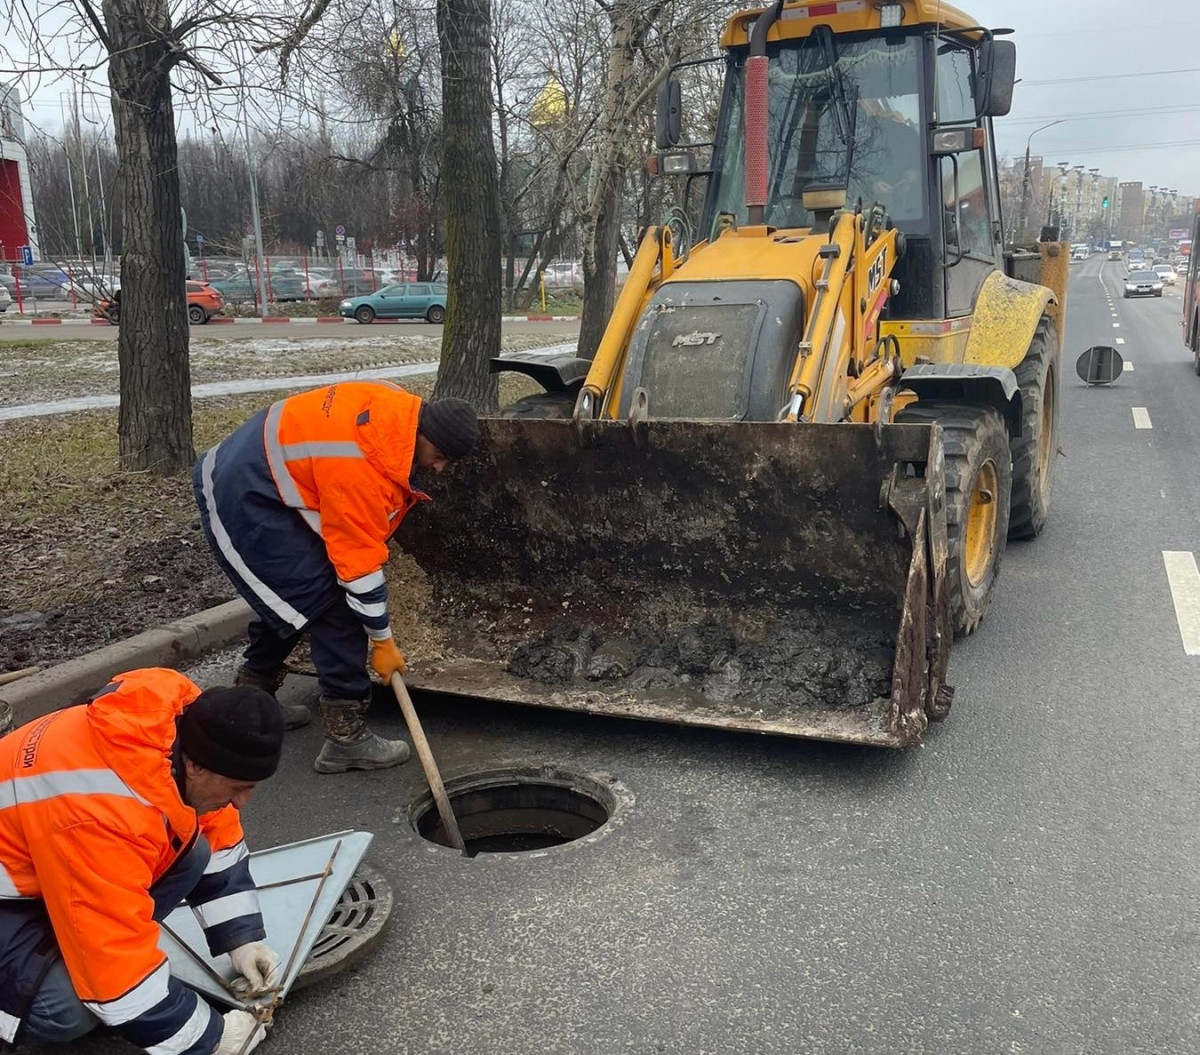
[518, 810]
[352, 931]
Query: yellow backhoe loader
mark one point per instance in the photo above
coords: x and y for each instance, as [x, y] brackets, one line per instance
[788, 475]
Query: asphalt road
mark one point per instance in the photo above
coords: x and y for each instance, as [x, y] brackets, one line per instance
[85, 331]
[1025, 883]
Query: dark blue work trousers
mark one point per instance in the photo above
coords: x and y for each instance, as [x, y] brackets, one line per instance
[57, 1015]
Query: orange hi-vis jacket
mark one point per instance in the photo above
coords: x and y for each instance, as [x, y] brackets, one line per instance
[332, 464]
[91, 816]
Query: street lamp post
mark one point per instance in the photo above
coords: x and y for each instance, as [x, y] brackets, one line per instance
[1025, 181]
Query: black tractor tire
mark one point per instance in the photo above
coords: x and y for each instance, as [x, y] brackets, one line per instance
[975, 441]
[114, 316]
[436, 314]
[555, 405]
[364, 314]
[1035, 450]
[196, 315]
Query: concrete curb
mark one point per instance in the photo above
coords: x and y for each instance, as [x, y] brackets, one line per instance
[164, 646]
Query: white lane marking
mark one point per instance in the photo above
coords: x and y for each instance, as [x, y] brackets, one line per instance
[1120, 340]
[1116, 325]
[1141, 418]
[1129, 368]
[1184, 579]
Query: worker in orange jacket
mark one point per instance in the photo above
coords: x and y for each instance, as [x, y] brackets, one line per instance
[298, 506]
[111, 815]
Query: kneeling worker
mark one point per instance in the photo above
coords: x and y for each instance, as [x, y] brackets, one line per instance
[111, 815]
[298, 506]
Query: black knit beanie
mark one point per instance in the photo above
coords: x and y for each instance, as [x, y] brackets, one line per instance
[235, 731]
[450, 425]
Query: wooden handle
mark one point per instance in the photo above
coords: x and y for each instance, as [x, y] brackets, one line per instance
[17, 675]
[427, 763]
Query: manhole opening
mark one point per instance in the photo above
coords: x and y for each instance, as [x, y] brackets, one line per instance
[515, 811]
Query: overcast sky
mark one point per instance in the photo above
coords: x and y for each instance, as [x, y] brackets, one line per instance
[1090, 47]
[1093, 43]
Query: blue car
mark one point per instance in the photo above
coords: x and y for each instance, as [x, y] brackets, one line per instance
[407, 300]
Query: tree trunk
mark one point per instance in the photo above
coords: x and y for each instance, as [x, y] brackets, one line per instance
[154, 424]
[471, 191]
[600, 273]
[630, 22]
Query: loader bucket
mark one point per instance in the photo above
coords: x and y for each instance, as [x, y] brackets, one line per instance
[775, 578]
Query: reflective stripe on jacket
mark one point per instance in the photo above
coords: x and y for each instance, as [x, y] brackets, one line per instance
[331, 465]
[91, 816]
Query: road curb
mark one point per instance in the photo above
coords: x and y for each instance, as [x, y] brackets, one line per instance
[164, 646]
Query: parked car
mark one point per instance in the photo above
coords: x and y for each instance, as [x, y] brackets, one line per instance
[36, 285]
[1143, 284]
[203, 302]
[5, 299]
[1166, 272]
[1181, 268]
[322, 284]
[241, 288]
[92, 286]
[407, 300]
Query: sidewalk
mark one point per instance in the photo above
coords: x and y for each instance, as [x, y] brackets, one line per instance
[253, 384]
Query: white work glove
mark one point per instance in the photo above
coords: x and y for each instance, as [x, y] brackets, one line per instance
[238, 1026]
[258, 965]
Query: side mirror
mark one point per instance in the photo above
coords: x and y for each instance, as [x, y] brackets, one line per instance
[997, 76]
[668, 115]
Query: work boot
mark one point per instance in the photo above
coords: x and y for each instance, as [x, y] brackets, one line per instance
[294, 714]
[349, 744]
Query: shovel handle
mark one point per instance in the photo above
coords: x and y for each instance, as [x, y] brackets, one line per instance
[427, 763]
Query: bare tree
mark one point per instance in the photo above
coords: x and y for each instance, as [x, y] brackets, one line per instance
[472, 331]
[143, 45]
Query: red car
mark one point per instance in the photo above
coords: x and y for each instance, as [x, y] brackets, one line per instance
[203, 302]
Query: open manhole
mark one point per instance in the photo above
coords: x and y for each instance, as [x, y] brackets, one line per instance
[518, 810]
[352, 931]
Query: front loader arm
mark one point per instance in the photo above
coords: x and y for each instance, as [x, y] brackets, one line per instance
[653, 262]
[837, 366]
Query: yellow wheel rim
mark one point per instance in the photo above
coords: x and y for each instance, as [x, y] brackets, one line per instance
[1046, 433]
[980, 537]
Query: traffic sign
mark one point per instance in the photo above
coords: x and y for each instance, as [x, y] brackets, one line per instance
[199, 238]
[27, 255]
[339, 229]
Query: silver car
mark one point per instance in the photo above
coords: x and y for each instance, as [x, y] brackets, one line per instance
[1143, 284]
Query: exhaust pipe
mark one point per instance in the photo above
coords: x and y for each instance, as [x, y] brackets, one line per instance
[756, 116]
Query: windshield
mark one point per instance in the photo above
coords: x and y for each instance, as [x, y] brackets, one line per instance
[804, 141]
[1142, 276]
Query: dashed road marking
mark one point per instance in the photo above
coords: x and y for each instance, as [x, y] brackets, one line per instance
[1184, 579]
[1129, 368]
[1120, 340]
[1116, 325]
[1141, 418]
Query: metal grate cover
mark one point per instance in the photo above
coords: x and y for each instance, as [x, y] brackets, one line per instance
[357, 924]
